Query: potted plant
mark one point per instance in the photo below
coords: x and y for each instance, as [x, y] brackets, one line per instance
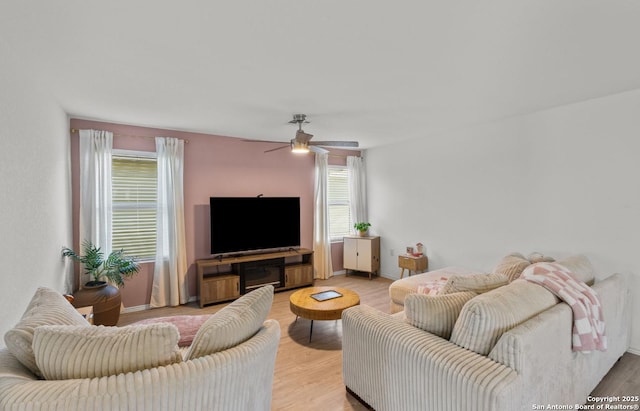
[362, 228]
[115, 268]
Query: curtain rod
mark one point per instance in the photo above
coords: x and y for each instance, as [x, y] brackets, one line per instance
[75, 130]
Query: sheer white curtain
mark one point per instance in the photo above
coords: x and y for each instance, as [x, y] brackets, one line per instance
[321, 241]
[169, 276]
[357, 189]
[95, 188]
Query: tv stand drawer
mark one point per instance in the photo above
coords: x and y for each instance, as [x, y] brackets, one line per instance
[219, 288]
[297, 275]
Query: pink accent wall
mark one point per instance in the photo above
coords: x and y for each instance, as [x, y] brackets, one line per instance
[214, 166]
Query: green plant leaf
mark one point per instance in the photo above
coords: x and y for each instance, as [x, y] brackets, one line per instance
[115, 268]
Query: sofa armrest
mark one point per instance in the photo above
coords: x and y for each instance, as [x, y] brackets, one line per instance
[392, 365]
[540, 349]
[615, 298]
[207, 382]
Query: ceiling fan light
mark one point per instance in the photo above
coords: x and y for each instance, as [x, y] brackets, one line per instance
[299, 147]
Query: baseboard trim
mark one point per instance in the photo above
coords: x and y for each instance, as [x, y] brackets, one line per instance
[634, 351]
[135, 308]
[148, 306]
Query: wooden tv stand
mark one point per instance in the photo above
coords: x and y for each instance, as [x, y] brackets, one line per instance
[219, 279]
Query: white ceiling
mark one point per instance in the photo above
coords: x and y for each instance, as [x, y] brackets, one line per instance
[375, 71]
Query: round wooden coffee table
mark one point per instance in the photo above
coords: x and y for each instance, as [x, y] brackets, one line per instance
[304, 305]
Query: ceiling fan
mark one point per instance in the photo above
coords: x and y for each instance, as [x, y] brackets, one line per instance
[302, 142]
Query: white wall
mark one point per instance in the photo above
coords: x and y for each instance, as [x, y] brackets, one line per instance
[35, 199]
[561, 181]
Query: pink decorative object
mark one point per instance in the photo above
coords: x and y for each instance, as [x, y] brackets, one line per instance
[188, 325]
[432, 287]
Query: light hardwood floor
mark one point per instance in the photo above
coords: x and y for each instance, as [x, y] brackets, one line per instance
[309, 375]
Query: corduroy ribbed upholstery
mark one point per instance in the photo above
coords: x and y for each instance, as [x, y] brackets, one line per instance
[512, 266]
[67, 351]
[435, 313]
[392, 365]
[477, 283]
[579, 265]
[47, 307]
[233, 324]
[399, 289]
[218, 381]
[486, 317]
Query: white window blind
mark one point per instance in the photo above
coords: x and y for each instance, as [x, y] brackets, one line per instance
[340, 223]
[134, 180]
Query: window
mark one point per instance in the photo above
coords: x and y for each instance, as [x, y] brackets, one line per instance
[133, 183]
[340, 223]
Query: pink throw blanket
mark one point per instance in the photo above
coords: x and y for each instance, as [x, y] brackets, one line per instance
[188, 325]
[588, 321]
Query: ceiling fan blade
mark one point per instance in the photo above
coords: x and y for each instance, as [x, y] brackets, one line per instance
[318, 150]
[335, 143]
[263, 141]
[277, 148]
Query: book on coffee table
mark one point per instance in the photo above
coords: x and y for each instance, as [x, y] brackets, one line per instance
[325, 295]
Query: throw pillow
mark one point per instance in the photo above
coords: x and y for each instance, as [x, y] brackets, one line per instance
[188, 325]
[478, 283]
[486, 317]
[512, 266]
[67, 352]
[47, 307]
[536, 257]
[234, 324]
[432, 287]
[436, 314]
[580, 266]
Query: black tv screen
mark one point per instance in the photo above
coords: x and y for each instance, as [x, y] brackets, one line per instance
[241, 224]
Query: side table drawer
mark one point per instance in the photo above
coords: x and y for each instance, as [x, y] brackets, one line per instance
[417, 264]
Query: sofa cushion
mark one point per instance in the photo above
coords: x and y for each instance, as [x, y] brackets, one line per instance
[188, 325]
[400, 288]
[478, 283]
[512, 266]
[486, 317]
[67, 352]
[537, 257]
[436, 314]
[47, 307]
[235, 323]
[580, 266]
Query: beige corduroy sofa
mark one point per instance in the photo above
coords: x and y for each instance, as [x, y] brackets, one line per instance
[508, 349]
[229, 365]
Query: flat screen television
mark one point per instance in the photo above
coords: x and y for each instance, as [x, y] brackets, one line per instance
[243, 224]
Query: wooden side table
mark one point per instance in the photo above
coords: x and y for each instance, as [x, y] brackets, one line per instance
[411, 263]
